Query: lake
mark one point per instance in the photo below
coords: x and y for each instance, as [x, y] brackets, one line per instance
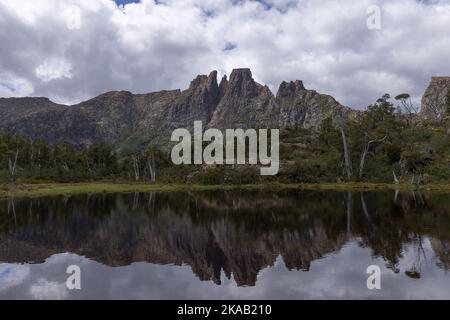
[227, 245]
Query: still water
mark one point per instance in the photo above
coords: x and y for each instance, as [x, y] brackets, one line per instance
[227, 245]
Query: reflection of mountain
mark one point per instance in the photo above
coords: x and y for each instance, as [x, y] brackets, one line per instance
[211, 232]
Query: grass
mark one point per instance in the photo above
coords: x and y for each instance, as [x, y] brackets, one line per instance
[41, 190]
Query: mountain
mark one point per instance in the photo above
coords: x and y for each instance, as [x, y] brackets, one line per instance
[121, 117]
[436, 98]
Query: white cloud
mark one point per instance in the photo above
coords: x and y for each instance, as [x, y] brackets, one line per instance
[54, 69]
[147, 46]
[12, 275]
[12, 86]
[48, 290]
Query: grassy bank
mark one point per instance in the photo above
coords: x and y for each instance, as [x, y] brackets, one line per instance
[41, 190]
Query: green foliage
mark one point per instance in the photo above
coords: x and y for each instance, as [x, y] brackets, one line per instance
[410, 147]
[403, 96]
[211, 176]
[38, 161]
[393, 152]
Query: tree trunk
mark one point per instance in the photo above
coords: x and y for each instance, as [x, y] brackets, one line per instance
[136, 168]
[152, 168]
[12, 167]
[347, 159]
[362, 162]
[39, 161]
[395, 178]
[365, 152]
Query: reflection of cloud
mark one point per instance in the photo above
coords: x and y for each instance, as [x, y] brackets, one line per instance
[48, 290]
[341, 275]
[12, 275]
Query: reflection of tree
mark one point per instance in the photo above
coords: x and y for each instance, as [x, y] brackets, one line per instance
[238, 233]
[12, 208]
[414, 271]
[442, 250]
[349, 208]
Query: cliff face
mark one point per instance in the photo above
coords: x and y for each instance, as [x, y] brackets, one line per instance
[245, 104]
[113, 117]
[435, 99]
[306, 108]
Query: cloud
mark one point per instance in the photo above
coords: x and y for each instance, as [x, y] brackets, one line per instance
[13, 86]
[73, 50]
[12, 275]
[48, 290]
[54, 70]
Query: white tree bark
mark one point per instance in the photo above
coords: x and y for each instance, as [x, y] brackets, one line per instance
[136, 168]
[365, 153]
[347, 159]
[12, 167]
[152, 168]
[395, 178]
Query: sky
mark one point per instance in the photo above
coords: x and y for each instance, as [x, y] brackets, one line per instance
[73, 50]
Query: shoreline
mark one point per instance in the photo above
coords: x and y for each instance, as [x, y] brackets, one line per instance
[67, 189]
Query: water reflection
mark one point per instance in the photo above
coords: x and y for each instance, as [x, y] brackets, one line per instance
[231, 238]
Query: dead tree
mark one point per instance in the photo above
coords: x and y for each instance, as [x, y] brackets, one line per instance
[366, 151]
[152, 167]
[347, 159]
[39, 161]
[12, 167]
[436, 110]
[395, 178]
[136, 168]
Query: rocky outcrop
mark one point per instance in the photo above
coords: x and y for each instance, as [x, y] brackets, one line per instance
[245, 104]
[13, 109]
[306, 108]
[435, 101]
[119, 116]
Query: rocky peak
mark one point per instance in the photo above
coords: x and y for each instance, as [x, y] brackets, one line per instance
[205, 82]
[243, 103]
[205, 88]
[435, 99]
[223, 86]
[290, 89]
[198, 102]
[241, 83]
[306, 108]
